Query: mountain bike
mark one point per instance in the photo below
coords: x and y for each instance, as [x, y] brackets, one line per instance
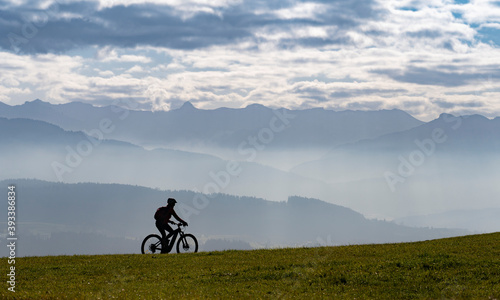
[153, 243]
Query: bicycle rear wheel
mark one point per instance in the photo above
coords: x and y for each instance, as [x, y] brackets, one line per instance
[151, 244]
[187, 244]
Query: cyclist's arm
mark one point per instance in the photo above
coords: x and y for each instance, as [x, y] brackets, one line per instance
[177, 217]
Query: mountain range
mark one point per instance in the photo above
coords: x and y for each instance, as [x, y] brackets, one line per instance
[383, 164]
[471, 140]
[223, 127]
[289, 137]
[36, 149]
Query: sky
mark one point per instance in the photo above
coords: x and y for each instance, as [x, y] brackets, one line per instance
[424, 57]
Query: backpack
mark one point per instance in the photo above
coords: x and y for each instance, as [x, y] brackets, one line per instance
[161, 213]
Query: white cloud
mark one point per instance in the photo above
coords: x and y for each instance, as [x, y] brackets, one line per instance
[106, 73]
[135, 69]
[490, 25]
[302, 10]
[480, 11]
[108, 54]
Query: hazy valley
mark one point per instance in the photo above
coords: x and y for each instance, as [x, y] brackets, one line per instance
[381, 164]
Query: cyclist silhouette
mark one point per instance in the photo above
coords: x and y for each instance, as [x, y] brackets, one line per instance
[162, 217]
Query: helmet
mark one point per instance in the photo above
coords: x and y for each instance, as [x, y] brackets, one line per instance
[171, 201]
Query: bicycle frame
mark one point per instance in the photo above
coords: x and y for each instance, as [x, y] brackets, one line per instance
[173, 238]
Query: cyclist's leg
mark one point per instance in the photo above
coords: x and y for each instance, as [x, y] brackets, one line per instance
[164, 237]
[169, 229]
[161, 229]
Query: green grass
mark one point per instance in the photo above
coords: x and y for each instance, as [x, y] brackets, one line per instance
[455, 268]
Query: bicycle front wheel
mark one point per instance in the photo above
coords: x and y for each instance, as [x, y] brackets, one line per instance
[151, 244]
[187, 244]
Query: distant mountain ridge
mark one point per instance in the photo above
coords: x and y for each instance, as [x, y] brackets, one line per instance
[36, 149]
[447, 136]
[458, 133]
[223, 127]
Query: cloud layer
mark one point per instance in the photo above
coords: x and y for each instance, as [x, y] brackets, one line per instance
[424, 57]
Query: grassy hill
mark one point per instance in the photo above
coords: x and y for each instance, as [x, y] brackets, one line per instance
[463, 267]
